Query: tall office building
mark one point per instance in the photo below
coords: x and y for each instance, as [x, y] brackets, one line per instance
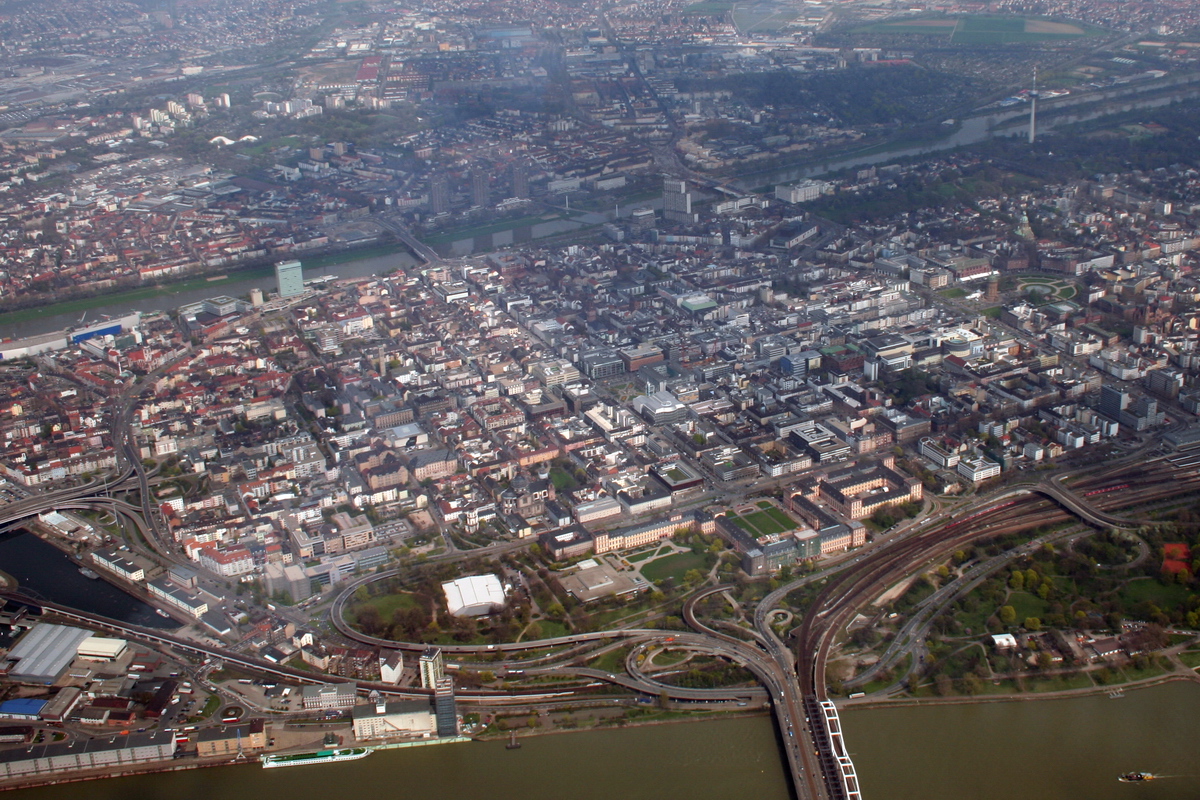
[480, 192]
[289, 277]
[432, 667]
[677, 201]
[520, 180]
[439, 194]
[444, 708]
[1113, 401]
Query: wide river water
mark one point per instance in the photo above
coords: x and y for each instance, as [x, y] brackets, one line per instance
[1039, 750]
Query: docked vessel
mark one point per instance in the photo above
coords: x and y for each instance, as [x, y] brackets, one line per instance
[271, 760]
[87, 573]
[1136, 777]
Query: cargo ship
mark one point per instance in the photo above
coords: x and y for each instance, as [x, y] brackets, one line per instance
[272, 760]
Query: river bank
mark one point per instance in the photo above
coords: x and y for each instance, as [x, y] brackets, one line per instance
[167, 297]
[1015, 697]
[214, 277]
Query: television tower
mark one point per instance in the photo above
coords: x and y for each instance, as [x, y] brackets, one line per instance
[1033, 96]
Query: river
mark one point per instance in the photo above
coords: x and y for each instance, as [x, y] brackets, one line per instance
[1039, 750]
[42, 570]
[716, 760]
[971, 130]
[351, 268]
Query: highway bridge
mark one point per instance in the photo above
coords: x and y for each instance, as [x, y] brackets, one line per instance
[1059, 493]
[419, 248]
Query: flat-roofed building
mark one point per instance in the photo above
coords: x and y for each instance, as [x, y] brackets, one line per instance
[96, 648]
[119, 565]
[407, 719]
[44, 653]
[231, 739]
[98, 753]
[177, 598]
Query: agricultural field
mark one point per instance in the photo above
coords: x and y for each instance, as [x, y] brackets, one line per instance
[976, 29]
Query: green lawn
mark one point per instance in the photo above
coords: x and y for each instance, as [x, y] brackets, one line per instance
[707, 7]
[667, 658]
[563, 481]
[993, 313]
[763, 523]
[388, 604]
[1027, 605]
[636, 557]
[986, 29]
[1007, 24]
[611, 661]
[673, 566]
[953, 293]
[1190, 658]
[1163, 595]
[1155, 669]
[1061, 683]
[975, 621]
[552, 629]
[781, 517]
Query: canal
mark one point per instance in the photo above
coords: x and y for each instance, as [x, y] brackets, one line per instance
[43, 571]
[1038, 750]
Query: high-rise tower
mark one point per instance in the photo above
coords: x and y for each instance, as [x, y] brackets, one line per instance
[1033, 97]
[289, 278]
[480, 192]
[439, 194]
[677, 201]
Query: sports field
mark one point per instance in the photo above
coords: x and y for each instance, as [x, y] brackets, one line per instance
[977, 29]
[765, 521]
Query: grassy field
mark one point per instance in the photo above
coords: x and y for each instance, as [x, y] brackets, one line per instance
[953, 294]
[985, 29]
[1190, 658]
[674, 566]
[1061, 683]
[389, 604]
[636, 557]
[552, 629]
[764, 522]
[707, 7]
[612, 661]
[763, 20]
[1027, 605]
[1138, 590]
